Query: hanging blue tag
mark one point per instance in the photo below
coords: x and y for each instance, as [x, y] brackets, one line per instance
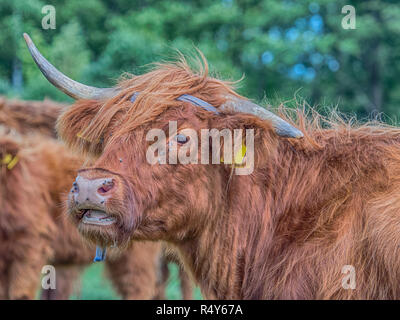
[100, 254]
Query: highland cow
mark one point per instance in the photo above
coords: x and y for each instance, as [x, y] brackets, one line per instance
[310, 207]
[34, 231]
[36, 172]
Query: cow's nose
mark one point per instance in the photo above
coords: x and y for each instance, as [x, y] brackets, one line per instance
[92, 191]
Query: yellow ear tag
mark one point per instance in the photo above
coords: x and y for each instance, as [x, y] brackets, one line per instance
[6, 159]
[239, 156]
[10, 161]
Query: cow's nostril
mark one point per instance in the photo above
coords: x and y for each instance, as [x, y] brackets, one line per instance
[102, 190]
[106, 187]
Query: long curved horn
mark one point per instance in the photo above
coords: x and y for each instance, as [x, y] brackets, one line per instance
[282, 128]
[72, 88]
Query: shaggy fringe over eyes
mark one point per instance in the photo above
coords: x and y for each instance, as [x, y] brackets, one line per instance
[158, 90]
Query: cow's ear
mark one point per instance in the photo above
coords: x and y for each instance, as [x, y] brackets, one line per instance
[72, 123]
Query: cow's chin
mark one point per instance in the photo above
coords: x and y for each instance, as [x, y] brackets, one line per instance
[99, 228]
[103, 236]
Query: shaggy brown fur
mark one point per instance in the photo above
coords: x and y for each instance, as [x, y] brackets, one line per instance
[23, 242]
[28, 116]
[310, 207]
[33, 230]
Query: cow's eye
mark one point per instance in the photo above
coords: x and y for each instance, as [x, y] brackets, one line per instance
[181, 138]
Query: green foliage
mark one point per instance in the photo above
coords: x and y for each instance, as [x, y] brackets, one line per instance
[280, 46]
[95, 286]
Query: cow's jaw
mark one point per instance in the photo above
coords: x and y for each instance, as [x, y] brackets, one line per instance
[97, 217]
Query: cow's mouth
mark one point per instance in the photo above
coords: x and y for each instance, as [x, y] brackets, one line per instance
[96, 217]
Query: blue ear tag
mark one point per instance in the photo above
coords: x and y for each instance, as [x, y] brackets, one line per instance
[100, 254]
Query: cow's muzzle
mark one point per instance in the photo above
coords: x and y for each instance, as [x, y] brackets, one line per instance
[88, 198]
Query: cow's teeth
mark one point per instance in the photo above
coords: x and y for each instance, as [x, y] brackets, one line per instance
[97, 218]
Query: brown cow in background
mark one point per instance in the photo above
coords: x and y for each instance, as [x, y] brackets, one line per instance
[34, 231]
[311, 209]
[26, 117]
[36, 172]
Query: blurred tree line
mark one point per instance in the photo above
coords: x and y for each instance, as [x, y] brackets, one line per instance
[283, 48]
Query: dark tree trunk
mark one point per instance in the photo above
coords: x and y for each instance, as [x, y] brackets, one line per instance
[374, 65]
[16, 77]
[375, 89]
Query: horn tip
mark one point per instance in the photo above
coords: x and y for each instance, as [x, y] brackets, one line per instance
[27, 38]
[288, 131]
[298, 134]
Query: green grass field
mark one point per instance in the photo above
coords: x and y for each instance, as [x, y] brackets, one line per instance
[95, 286]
